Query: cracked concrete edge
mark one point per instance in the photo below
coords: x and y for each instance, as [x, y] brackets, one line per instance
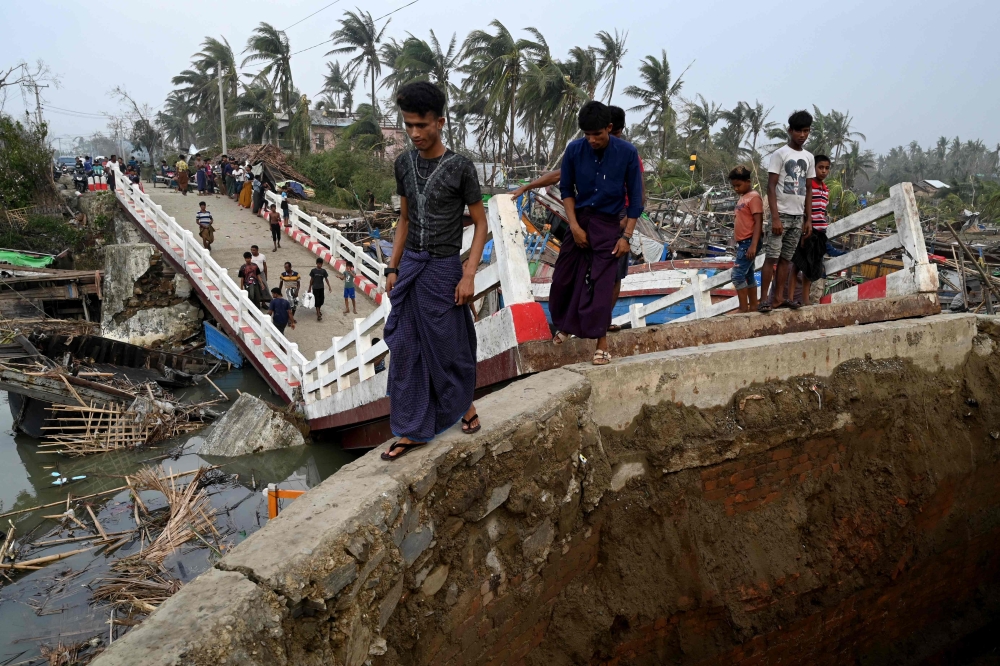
[310, 536]
[219, 619]
[710, 375]
[234, 613]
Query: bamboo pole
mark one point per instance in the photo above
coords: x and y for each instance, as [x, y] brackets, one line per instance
[104, 535]
[32, 564]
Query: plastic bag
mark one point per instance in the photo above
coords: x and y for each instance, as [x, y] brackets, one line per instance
[308, 302]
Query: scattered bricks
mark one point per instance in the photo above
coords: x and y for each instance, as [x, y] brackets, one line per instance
[745, 485]
[714, 495]
[709, 473]
[803, 458]
[748, 506]
[804, 467]
[711, 485]
[781, 454]
[485, 625]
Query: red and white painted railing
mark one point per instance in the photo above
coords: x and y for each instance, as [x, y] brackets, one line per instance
[342, 379]
[330, 244]
[917, 276]
[277, 357]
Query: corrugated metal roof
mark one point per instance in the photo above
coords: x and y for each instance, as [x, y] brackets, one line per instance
[937, 184]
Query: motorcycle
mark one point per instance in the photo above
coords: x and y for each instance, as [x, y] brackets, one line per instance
[80, 180]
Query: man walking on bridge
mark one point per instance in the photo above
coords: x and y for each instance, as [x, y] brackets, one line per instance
[599, 174]
[430, 332]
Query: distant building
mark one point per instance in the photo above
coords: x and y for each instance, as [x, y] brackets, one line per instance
[929, 188]
[327, 126]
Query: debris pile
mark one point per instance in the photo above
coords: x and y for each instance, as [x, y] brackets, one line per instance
[276, 166]
[141, 583]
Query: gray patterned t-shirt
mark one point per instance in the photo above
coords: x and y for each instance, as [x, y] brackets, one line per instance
[436, 193]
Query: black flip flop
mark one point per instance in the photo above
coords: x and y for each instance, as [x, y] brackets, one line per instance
[764, 307]
[468, 424]
[396, 445]
[614, 328]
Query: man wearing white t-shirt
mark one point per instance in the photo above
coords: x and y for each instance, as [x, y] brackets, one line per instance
[790, 200]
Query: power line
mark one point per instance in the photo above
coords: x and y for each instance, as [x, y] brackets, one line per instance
[84, 113]
[311, 15]
[327, 41]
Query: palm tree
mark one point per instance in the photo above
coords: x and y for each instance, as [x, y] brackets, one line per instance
[175, 119]
[269, 45]
[358, 33]
[855, 163]
[757, 124]
[610, 54]
[701, 118]
[418, 60]
[495, 64]
[216, 57]
[335, 82]
[656, 96]
[255, 111]
[839, 132]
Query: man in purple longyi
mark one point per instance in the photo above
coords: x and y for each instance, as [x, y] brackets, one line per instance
[430, 332]
[599, 174]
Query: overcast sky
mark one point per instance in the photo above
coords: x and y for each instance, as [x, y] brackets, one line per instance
[904, 70]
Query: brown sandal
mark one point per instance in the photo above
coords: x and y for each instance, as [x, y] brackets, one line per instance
[559, 338]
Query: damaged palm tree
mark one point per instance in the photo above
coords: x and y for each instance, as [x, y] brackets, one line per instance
[141, 583]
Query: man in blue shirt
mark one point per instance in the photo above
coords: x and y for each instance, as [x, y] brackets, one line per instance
[599, 173]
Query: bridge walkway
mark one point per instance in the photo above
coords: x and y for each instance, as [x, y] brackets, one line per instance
[236, 230]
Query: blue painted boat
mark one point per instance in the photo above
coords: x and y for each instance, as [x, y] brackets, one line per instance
[220, 346]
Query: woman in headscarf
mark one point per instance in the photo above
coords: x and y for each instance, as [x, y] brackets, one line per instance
[246, 194]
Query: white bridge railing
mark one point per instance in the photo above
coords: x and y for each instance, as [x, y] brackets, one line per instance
[334, 370]
[334, 241]
[350, 361]
[279, 357]
[918, 275]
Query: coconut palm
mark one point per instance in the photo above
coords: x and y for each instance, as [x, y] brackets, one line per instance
[701, 117]
[359, 35]
[839, 132]
[855, 163]
[215, 57]
[655, 98]
[610, 53]
[335, 82]
[255, 111]
[175, 120]
[495, 64]
[757, 124]
[270, 46]
[418, 60]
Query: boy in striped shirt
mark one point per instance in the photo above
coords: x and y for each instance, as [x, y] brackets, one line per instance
[205, 228]
[812, 292]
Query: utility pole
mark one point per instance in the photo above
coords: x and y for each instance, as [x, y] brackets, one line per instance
[38, 103]
[222, 111]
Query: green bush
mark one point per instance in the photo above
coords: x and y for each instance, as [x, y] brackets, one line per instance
[342, 168]
[25, 163]
[48, 235]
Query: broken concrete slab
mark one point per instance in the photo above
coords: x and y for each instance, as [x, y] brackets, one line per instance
[219, 619]
[250, 426]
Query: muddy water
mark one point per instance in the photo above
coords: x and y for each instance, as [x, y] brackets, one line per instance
[54, 603]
